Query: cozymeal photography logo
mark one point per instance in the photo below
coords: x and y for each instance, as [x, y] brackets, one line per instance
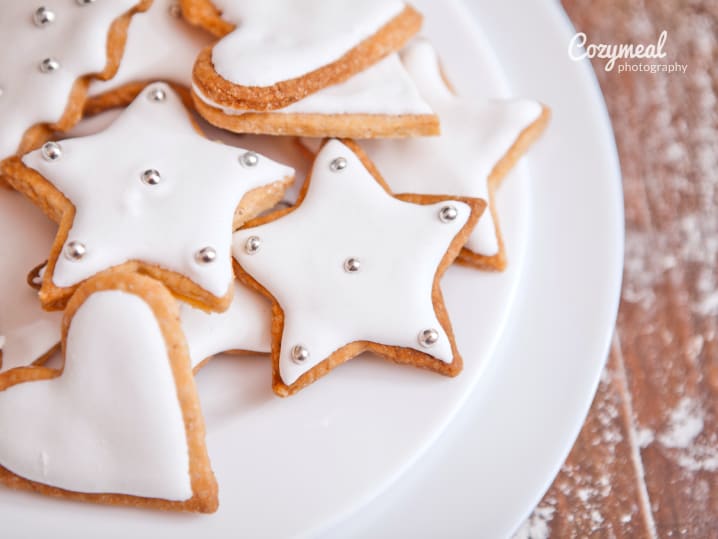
[624, 57]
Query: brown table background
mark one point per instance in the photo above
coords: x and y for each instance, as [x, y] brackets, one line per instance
[646, 462]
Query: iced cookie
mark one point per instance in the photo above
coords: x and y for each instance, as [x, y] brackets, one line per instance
[148, 194]
[121, 423]
[286, 150]
[244, 328]
[480, 142]
[352, 268]
[50, 52]
[380, 102]
[273, 53]
[27, 332]
[160, 46]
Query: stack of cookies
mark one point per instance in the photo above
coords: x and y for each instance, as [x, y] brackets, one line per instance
[141, 247]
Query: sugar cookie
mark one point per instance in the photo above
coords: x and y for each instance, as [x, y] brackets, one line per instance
[352, 268]
[160, 46]
[121, 423]
[50, 53]
[27, 332]
[380, 102]
[150, 194]
[272, 54]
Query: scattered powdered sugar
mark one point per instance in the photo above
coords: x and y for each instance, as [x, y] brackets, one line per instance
[645, 437]
[685, 439]
[537, 525]
[585, 490]
[685, 424]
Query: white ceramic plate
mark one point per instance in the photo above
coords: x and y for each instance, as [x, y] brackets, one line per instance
[299, 466]
[502, 451]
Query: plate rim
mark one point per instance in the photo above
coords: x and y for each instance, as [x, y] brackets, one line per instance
[559, 22]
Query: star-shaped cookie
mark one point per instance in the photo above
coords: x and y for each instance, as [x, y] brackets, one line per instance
[148, 194]
[353, 268]
[480, 142]
[50, 51]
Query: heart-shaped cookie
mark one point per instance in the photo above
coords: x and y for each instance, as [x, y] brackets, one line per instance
[275, 52]
[121, 424]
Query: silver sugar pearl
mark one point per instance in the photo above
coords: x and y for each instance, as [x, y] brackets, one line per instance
[338, 164]
[299, 354]
[1, 91]
[428, 338]
[51, 151]
[448, 214]
[206, 255]
[75, 251]
[254, 243]
[43, 16]
[49, 65]
[84, 2]
[352, 265]
[249, 159]
[175, 10]
[158, 95]
[151, 177]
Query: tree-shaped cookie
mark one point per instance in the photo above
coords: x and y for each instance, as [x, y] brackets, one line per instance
[481, 140]
[381, 101]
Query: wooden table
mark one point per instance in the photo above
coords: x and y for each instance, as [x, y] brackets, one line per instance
[646, 462]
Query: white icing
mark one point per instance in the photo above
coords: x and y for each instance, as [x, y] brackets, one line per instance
[282, 149]
[245, 326]
[112, 422]
[91, 125]
[348, 214]
[160, 46]
[475, 137]
[278, 40]
[384, 88]
[26, 330]
[77, 39]
[119, 218]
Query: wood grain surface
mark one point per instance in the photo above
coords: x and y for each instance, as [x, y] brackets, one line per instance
[646, 462]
